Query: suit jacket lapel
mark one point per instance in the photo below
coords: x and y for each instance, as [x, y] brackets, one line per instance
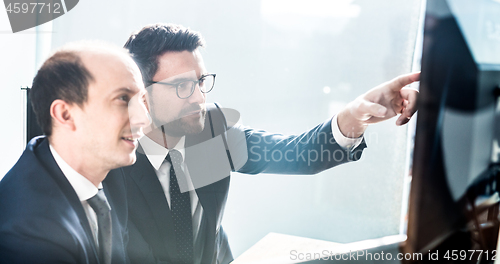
[45, 156]
[145, 177]
[208, 202]
[206, 194]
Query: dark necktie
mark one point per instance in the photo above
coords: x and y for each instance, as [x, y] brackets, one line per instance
[103, 211]
[180, 205]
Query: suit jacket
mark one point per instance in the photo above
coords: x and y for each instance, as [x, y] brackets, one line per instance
[43, 221]
[152, 238]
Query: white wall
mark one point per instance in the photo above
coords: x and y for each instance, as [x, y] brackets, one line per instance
[17, 68]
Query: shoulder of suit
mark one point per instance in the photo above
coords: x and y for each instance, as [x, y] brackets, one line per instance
[29, 190]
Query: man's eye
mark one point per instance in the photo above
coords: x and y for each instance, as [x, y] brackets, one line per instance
[185, 85]
[124, 98]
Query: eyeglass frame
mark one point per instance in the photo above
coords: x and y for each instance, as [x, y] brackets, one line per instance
[176, 85]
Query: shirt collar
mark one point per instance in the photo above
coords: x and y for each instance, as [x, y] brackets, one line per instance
[84, 188]
[156, 153]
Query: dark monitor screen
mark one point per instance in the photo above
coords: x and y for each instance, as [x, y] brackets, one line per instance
[455, 125]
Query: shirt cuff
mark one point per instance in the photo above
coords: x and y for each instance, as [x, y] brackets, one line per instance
[343, 141]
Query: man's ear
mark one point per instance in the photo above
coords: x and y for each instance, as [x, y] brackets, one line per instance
[62, 115]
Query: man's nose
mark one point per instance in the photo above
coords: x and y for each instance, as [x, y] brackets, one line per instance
[138, 114]
[197, 97]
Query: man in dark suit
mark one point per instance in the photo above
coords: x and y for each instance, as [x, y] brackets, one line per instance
[178, 188]
[54, 207]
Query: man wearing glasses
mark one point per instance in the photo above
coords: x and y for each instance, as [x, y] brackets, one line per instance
[177, 190]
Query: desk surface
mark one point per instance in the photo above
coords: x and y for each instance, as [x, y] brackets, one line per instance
[280, 249]
[277, 248]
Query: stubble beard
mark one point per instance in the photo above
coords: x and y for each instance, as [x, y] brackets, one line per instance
[182, 126]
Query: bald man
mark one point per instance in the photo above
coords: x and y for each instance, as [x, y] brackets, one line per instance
[88, 99]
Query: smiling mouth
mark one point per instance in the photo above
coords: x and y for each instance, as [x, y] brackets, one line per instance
[131, 139]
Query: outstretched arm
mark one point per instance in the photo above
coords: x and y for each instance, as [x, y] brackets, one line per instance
[378, 104]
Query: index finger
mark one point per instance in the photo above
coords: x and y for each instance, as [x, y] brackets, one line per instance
[401, 81]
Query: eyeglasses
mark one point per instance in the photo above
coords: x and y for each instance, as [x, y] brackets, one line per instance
[186, 88]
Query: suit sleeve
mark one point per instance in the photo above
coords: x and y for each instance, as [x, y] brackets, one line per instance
[308, 153]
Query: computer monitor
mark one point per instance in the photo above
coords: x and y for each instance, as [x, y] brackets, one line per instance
[455, 129]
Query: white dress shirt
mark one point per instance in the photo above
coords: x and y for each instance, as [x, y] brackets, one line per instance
[343, 141]
[84, 190]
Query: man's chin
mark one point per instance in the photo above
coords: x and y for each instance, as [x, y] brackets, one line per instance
[197, 126]
[192, 128]
[124, 161]
[132, 158]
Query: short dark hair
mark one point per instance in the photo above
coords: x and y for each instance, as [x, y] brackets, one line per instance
[152, 41]
[62, 76]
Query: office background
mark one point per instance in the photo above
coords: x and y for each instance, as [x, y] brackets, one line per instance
[285, 65]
